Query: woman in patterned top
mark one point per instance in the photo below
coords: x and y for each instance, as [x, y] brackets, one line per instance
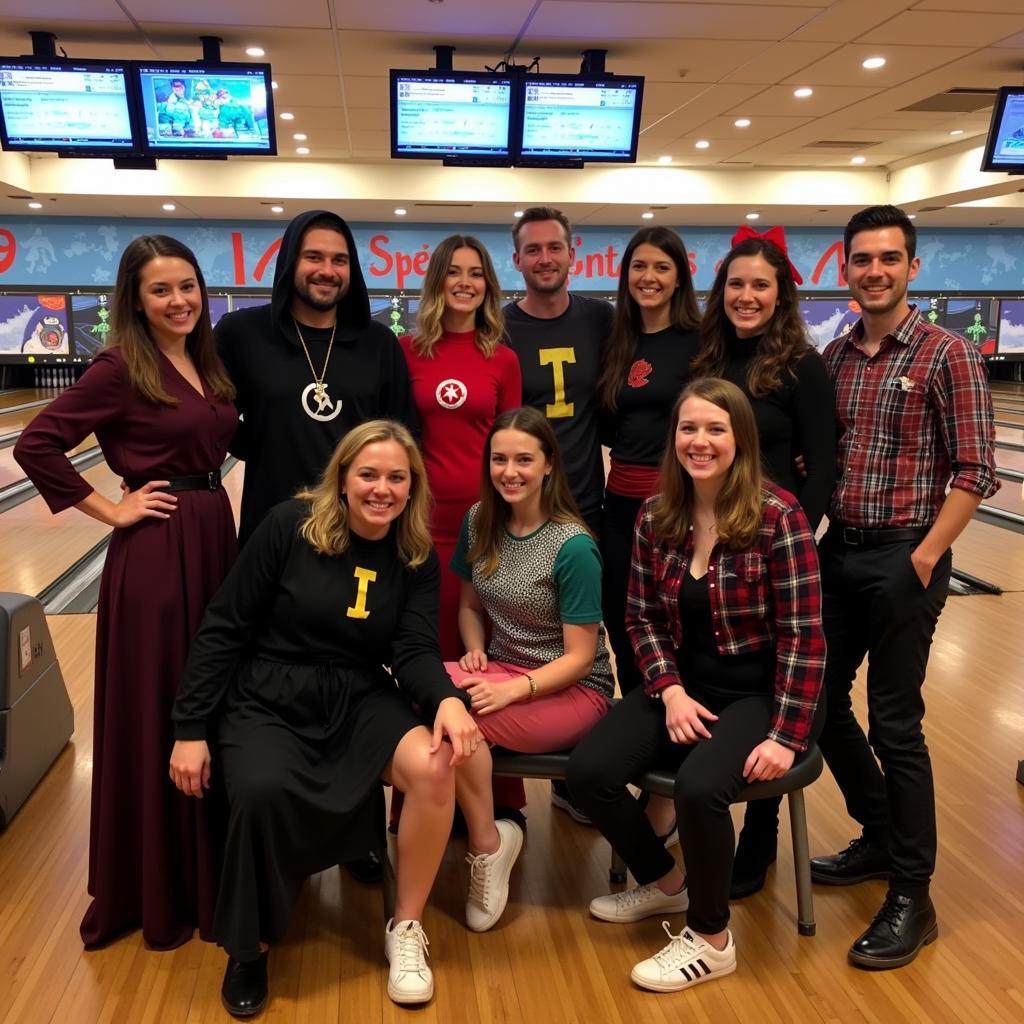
[724, 614]
[531, 569]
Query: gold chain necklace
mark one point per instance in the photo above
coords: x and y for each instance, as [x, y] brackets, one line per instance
[319, 387]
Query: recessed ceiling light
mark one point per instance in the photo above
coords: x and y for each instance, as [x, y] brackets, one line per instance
[302, 150]
[300, 136]
[911, 216]
[858, 159]
[273, 84]
[285, 116]
[517, 213]
[400, 211]
[35, 205]
[664, 159]
[957, 131]
[742, 122]
[702, 144]
[169, 207]
[277, 209]
[803, 93]
[753, 216]
[873, 62]
[255, 51]
[647, 215]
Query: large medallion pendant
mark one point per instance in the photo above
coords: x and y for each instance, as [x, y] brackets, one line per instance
[319, 407]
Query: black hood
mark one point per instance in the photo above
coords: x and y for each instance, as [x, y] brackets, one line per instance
[354, 308]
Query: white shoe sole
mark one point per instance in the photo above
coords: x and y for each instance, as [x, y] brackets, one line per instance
[671, 986]
[406, 1000]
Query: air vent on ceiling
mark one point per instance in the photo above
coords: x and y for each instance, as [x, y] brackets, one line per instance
[854, 146]
[956, 101]
[929, 209]
[735, 163]
[443, 205]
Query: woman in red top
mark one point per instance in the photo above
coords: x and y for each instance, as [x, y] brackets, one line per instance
[160, 403]
[462, 375]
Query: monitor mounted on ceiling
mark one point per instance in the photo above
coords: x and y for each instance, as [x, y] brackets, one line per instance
[1004, 149]
[575, 119]
[82, 108]
[460, 117]
[205, 109]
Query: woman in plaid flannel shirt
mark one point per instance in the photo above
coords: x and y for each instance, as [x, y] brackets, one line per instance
[724, 613]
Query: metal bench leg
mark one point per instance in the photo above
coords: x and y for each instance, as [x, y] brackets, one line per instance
[617, 868]
[801, 863]
[388, 888]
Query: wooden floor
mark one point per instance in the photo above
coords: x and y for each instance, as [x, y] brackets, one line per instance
[546, 961]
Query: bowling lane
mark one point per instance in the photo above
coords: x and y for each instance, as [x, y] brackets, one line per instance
[39, 546]
[11, 472]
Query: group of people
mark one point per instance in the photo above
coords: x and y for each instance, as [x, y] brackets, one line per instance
[429, 555]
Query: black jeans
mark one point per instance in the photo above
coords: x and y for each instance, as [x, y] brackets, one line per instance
[632, 739]
[618, 523]
[875, 605]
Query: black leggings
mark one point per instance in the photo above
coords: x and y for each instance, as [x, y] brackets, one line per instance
[632, 739]
[618, 523]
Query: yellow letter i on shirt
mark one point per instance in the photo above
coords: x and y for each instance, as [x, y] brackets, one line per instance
[359, 609]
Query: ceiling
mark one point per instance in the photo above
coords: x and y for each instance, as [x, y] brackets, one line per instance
[706, 65]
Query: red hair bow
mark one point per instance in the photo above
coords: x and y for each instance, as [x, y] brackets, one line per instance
[777, 236]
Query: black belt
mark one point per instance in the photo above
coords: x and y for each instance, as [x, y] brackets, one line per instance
[196, 482]
[855, 537]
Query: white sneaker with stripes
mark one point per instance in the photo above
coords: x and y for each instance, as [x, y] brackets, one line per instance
[686, 960]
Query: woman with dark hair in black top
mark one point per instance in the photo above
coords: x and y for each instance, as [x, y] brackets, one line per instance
[753, 335]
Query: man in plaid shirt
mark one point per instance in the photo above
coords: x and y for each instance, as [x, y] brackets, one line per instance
[914, 414]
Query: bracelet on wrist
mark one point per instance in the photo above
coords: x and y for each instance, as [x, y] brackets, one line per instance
[533, 685]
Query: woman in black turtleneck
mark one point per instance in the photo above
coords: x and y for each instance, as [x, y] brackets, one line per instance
[753, 335]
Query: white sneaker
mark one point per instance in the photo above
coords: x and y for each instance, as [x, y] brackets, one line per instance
[687, 960]
[410, 980]
[488, 877]
[637, 903]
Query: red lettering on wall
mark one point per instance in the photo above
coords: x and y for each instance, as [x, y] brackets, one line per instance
[8, 249]
[836, 250]
[377, 244]
[238, 257]
[261, 267]
[692, 256]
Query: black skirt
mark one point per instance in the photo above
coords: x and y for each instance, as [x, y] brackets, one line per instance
[302, 748]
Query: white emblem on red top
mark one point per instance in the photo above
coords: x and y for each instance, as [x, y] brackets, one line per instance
[451, 393]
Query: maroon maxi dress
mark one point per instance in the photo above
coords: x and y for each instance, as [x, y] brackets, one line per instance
[153, 852]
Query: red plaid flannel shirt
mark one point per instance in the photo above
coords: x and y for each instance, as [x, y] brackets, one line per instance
[909, 419]
[765, 598]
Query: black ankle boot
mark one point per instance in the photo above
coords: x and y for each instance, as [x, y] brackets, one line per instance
[755, 853]
[244, 990]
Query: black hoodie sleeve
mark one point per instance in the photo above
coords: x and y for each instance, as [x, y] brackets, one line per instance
[396, 397]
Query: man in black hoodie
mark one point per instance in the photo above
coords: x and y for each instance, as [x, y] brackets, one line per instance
[309, 365]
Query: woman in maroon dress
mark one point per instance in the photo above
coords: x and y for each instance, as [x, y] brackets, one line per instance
[160, 403]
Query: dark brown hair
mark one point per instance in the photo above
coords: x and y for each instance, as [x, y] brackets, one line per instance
[627, 325]
[130, 329]
[556, 499]
[784, 342]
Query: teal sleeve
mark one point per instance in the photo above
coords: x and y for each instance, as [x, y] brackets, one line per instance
[577, 571]
[458, 563]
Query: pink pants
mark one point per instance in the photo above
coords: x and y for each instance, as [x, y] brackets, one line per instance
[552, 721]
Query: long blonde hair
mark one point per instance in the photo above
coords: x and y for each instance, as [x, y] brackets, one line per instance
[556, 499]
[130, 329]
[490, 321]
[326, 528]
[738, 505]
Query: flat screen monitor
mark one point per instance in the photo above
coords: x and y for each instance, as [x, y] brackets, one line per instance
[451, 115]
[827, 319]
[1004, 149]
[72, 107]
[206, 110]
[573, 117]
[1011, 329]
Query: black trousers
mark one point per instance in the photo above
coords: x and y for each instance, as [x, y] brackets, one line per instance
[875, 605]
[618, 522]
[632, 739]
